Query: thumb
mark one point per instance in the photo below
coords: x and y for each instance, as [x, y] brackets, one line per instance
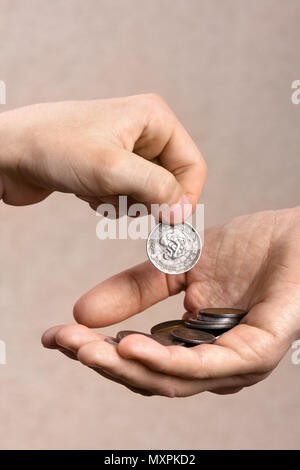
[151, 184]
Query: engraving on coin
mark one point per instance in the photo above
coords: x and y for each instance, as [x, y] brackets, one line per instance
[174, 249]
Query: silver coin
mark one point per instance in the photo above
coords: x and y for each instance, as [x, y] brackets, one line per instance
[174, 249]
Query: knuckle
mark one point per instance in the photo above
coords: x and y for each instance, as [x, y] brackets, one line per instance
[155, 98]
[266, 363]
[262, 362]
[107, 161]
[86, 354]
[202, 370]
[157, 106]
[106, 165]
[265, 356]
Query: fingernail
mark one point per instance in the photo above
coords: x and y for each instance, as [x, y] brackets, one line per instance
[180, 211]
[174, 214]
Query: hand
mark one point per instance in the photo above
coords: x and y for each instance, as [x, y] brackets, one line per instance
[252, 262]
[98, 150]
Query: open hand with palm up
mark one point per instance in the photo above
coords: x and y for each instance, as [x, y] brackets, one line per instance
[251, 262]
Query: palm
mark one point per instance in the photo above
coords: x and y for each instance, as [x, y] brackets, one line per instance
[246, 260]
[251, 262]
[232, 264]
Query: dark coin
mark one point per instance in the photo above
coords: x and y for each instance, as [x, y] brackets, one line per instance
[220, 321]
[122, 334]
[213, 331]
[111, 341]
[223, 312]
[167, 326]
[163, 338]
[212, 318]
[192, 336]
[208, 326]
[166, 339]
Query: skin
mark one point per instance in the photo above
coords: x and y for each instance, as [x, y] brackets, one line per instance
[251, 262]
[135, 146]
[98, 150]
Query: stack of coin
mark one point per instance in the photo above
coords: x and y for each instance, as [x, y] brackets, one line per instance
[215, 320]
[209, 324]
[163, 338]
[173, 250]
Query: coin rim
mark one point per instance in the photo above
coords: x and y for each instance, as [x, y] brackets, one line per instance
[213, 326]
[151, 336]
[223, 315]
[213, 320]
[168, 271]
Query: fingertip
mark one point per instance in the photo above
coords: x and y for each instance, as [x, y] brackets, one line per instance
[176, 213]
[48, 337]
[84, 355]
[85, 311]
[90, 354]
[184, 210]
[127, 346]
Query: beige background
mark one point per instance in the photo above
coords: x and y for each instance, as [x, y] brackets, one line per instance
[226, 69]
